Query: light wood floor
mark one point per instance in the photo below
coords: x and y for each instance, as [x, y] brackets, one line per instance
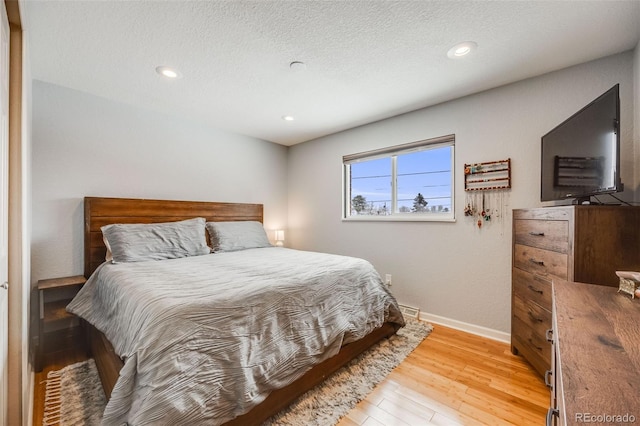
[456, 378]
[452, 378]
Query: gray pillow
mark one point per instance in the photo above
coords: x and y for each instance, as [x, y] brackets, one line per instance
[155, 241]
[233, 236]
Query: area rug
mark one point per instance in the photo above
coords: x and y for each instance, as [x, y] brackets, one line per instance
[74, 395]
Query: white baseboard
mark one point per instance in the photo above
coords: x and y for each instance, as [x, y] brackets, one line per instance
[478, 330]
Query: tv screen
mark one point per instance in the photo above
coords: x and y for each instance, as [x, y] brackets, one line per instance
[581, 156]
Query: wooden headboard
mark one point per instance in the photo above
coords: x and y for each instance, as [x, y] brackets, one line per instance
[104, 211]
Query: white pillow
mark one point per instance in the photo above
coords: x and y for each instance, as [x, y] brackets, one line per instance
[234, 236]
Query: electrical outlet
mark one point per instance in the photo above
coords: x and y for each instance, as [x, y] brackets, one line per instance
[387, 280]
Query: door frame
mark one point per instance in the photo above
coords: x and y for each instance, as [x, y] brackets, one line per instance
[20, 405]
[4, 215]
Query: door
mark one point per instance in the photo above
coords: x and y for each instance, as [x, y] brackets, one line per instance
[4, 208]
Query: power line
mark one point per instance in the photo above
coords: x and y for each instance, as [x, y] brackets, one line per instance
[401, 174]
[370, 177]
[424, 173]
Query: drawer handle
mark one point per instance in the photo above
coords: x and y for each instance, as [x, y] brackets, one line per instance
[549, 335]
[535, 290]
[537, 234]
[537, 262]
[547, 378]
[534, 345]
[551, 414]
[533, 317]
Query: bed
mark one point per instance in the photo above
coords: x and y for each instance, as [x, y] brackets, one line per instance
[147, 364]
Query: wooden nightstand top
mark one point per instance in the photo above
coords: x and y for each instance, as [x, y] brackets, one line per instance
[61, 282]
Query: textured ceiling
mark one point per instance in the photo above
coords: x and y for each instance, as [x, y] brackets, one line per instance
[365, 60]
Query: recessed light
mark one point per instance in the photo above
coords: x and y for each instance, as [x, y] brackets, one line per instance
[168, 72]
[462, 49]
[287, 118]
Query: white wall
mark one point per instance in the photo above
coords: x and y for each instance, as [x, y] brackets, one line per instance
[84, 145]
[453, 270]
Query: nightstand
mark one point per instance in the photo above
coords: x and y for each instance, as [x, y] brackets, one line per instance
[58, 329]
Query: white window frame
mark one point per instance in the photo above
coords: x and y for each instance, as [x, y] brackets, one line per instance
[393, 152]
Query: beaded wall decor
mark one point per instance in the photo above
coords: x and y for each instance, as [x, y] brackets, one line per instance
[485, 185]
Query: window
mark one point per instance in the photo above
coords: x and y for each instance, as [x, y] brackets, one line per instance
[413, 181]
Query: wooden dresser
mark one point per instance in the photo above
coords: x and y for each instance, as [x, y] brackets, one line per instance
[575, 243]
[596, 364]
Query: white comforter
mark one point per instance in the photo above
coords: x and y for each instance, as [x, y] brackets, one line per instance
[207, 338]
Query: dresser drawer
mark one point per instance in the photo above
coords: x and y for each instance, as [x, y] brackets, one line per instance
[545, 234]
[530, 286]
[532, 314]
[531, 346]
[532, 343]
[539, 261]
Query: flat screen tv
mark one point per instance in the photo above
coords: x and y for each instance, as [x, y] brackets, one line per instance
[581, 156]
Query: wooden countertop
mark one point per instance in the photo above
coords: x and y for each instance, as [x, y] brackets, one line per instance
[597, 332]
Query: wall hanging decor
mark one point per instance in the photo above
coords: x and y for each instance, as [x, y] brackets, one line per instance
[485, 185]
[487, 176]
